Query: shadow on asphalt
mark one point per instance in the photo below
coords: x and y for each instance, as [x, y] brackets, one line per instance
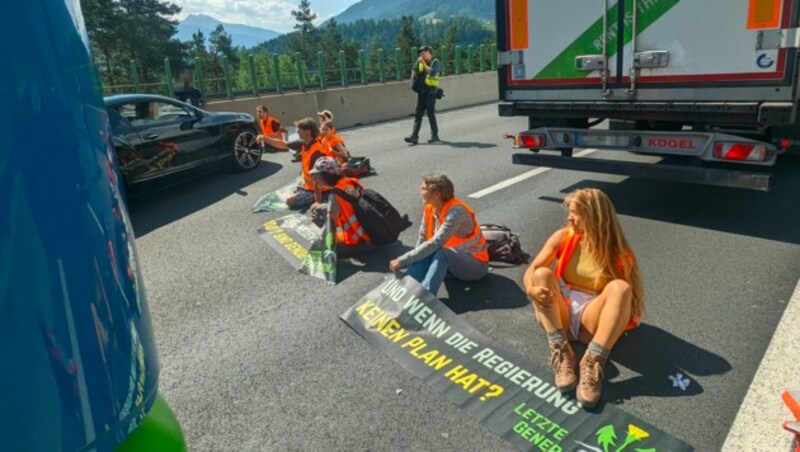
[656, 355]
[376, 261]
[154, 209]
[492, 292]
[465, 144]
[766, 215]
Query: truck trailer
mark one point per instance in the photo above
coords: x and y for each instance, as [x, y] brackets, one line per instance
[711, 86]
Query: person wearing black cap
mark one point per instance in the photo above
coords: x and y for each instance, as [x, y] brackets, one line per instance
[426, 84]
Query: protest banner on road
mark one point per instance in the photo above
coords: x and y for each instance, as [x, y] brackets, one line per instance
[507, 393]
[308, 248]
[275, 201]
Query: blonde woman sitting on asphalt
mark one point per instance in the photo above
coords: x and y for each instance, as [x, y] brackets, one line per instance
[593, 294]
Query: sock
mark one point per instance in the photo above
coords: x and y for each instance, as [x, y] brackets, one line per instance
[596, 350]
[556, 337]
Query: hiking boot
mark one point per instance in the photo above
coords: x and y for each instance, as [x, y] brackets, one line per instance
[562, 361]
[591, 384]
[411, 139]
[434, 139]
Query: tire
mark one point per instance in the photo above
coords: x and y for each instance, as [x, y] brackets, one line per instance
[246, 153]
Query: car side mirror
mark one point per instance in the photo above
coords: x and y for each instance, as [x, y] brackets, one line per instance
[189, 123]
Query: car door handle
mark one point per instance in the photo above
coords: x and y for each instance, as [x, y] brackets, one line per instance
[151, 136]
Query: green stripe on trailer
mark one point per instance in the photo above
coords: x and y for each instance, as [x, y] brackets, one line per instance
[590, 42]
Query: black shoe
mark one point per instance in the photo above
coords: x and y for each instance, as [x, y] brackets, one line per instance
[411, 139]
[434, 139]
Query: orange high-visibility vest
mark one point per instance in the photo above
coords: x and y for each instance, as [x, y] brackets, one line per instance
[330, 143]
[309, 155]
[475, 244]
[268, 127]
[348, 229]
[564, 254]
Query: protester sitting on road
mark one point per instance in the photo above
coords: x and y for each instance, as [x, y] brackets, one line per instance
[334, 143]
[351, 237]
[325, 116]
[593, 294]
[269, 129]
[310, 151]
[450, 239]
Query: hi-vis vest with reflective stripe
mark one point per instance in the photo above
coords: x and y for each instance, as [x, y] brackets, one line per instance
[475, 244]
[348, 229]
[564, 254]
[430, 79]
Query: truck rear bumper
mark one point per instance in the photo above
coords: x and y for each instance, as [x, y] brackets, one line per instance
[687, 174]
[745, 113]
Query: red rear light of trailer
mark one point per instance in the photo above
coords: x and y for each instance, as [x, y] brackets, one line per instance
[740, 151]
[534, 140]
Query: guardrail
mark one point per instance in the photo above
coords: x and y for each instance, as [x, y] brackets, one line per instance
[272, 77]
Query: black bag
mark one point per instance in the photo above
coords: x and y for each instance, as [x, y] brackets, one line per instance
[439, 93]
[356, 167]
[379, 218]
[503, 245]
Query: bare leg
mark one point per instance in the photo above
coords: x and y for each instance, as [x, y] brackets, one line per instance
[552, 315]
[607, 315]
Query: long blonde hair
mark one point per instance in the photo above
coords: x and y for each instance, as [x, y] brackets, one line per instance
[606, 243]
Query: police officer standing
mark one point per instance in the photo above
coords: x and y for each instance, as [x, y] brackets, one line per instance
[425, 75]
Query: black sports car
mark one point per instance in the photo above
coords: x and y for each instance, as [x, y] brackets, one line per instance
[155, 136]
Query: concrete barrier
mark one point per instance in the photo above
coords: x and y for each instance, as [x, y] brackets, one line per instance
[367, 104]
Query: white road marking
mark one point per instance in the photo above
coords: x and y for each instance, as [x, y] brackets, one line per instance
[509, 182]
[758, 422]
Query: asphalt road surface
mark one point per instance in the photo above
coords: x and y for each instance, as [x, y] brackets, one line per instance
[254, 357]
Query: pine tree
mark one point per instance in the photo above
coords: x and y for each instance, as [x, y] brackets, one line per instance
[305, 38]
[407, 39]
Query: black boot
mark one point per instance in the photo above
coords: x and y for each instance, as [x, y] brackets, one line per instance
[414, 137]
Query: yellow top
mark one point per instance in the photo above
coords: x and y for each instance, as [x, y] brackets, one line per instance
[581, 271]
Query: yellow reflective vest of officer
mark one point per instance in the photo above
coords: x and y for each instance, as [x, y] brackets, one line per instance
[430, 79]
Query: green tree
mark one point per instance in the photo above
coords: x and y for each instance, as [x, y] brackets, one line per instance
[121, 30]
[406, 37]
[331, 43]
[305, 38]
[222, 45]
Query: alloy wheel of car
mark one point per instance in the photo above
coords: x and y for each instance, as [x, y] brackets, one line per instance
[246, 151]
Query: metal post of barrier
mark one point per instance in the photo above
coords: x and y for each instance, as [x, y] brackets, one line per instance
[493, 57]
[414, 55]
[443, 61]
[168, 75]
[483, 58]
[470, 58]
[199, 83]
[398, 62]
[362, 63]
[343, 68]
[323, 83]
[458, 60]
[226, 69]
[135, 76]
[251, 63]
[276, 71]
[298, 62]
[381, 66]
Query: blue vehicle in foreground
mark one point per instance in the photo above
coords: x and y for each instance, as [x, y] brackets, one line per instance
[80, 369]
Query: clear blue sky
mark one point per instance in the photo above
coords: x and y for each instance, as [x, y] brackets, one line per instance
[270, 14]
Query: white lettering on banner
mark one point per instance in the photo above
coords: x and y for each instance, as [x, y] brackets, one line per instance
[425, 317]
[525, 380]
[394, 290]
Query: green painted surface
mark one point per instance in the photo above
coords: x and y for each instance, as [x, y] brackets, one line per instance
[590, 41]
[158, 432]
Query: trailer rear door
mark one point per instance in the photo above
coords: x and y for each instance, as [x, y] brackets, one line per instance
[693, 50]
